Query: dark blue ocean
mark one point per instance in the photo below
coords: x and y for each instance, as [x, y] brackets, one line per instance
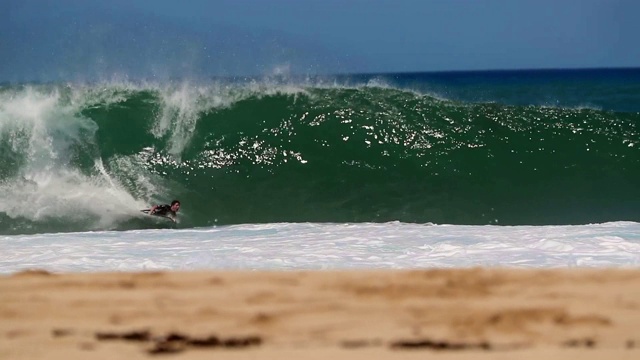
[605, 89]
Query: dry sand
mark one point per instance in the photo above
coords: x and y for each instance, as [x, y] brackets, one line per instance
[448, 314]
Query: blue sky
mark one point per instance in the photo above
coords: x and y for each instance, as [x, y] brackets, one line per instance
[49, 40]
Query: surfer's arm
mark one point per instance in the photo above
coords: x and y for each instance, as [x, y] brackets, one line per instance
[153, 209]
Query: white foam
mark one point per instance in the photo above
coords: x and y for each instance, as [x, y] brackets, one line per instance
[42, 126]
[327, 246]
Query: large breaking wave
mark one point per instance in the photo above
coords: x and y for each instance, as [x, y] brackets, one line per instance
[83, 157]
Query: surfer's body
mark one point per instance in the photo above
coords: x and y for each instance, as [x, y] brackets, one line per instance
[165, 210]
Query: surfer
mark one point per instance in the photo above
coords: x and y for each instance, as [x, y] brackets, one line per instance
[166, 210]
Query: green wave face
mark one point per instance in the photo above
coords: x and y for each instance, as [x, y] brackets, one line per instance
[89, 157]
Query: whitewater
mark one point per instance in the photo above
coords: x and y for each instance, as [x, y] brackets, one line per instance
[518, 169]
[316, 246]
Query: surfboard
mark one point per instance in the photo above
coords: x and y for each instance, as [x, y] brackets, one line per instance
[168, 217]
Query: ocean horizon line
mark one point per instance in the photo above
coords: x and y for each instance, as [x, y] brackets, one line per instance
[251, 77]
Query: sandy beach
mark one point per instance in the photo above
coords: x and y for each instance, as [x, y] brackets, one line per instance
[453, 314]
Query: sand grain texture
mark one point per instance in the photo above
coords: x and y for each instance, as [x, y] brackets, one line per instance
[457, 314]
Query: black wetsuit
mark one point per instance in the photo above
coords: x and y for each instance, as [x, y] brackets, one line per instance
[164, 210]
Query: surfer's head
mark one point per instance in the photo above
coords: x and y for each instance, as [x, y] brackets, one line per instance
[175, 205]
